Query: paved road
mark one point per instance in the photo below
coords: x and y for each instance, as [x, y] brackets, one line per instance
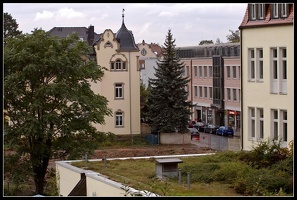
[218, 142]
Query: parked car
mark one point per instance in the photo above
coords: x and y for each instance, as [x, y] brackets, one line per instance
[198, 125]
[225, 131]
[194, 132]
[209, 128]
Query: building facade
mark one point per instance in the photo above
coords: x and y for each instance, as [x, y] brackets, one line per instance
[267, 53]
[214, 86]
[119, 55]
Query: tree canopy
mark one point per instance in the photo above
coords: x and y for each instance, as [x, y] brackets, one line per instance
[10, 26]
[233, 37]
[168, 107]
[49, 101]
[202, 42]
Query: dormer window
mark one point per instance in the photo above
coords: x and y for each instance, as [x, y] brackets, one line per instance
[284, 9]
[261, 11]
[107, 44]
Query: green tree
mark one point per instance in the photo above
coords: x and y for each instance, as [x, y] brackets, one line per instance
[10, 26]
[202, 42]
[233, 37]
[168, 108]
[49, 100]
[144, 94]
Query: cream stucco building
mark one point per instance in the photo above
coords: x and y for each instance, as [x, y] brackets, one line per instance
[267, 53]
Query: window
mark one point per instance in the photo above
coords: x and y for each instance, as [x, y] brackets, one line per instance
[187, 89]
[210, 92]
[274, 114]
[210, 71]
[188, 72]
[253, 11]
[118, 65]
[275, 10]
[239, 73]
[205, 71]
[252, 125]
[261, 11]
[283, 70]
[205, 92]
[184, 71]
[284, 9]
[234, 71]
[196, 91]
[284, 126]
[119, 91]
[195, 71]
[239, 95]
[200, 71]
[278, 70]
[260, 64]
[251, 66]
[119, 119]
[228, 71]
[260, 125]
[234, 95]
[228, 94]
[200, 91]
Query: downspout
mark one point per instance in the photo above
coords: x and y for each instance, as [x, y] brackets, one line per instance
[241, 81]
[130, 99]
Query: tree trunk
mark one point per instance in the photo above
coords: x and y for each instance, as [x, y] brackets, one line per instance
[39, 175]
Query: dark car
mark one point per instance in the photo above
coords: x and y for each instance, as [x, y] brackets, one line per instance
[209, 128]
[225, 131]
[194, 132]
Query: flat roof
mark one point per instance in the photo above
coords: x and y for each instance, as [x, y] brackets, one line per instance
[169, 160]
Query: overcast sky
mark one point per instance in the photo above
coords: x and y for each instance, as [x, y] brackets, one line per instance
[189, 22]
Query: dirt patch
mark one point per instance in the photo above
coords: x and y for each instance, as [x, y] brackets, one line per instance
[152, 150]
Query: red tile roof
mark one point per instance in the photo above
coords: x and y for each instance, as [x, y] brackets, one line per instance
[268, 21]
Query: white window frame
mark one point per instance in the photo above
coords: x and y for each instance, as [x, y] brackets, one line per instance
[261, 11]
[259, 64]
[284, 125]
[253, 11]
[228, 72]
[200, 71]
[252, 123]
[260, 123]
[275, 10]
[188, 71]
[119, 91]
[283, 70]
[210, 92]
[200, 91]
[274, 124]
[284, 10]
[251, 65]
[119, 119]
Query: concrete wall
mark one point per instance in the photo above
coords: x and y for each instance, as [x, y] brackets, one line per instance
[97, 184]
[175, 138]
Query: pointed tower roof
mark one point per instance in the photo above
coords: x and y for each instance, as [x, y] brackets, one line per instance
[126, 38]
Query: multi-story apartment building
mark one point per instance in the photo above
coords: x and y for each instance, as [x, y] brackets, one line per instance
[118, 53]
[267, 82]
[214, 86]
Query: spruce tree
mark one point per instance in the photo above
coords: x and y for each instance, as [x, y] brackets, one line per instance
[168, 105]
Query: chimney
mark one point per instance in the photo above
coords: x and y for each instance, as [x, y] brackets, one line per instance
[91, 35]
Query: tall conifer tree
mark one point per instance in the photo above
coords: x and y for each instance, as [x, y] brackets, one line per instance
[168, 105]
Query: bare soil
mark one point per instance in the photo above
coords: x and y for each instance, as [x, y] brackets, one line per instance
[149, 150]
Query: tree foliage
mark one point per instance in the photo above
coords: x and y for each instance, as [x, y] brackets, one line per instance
[233, 37]
[10, 26]
[202, 42]
[49, 100]
[168, 108]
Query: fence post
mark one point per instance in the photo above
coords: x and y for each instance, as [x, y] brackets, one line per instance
[179, 176]
[188, 179]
